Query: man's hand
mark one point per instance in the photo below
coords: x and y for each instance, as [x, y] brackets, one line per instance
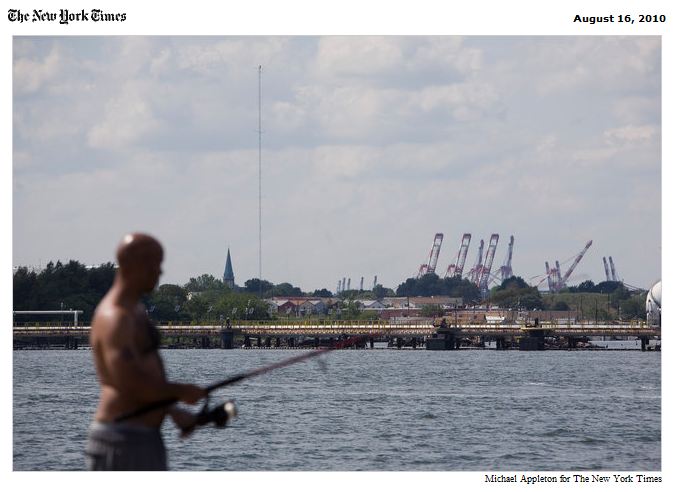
[184, 420]
[190, 393]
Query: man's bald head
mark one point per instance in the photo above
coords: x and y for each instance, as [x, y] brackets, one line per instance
[139, 258]
[138, 247]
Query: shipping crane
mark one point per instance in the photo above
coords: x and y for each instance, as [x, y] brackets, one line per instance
[556, 281]
[483, 282]
[615, 277]
[474, 273]
[456, 269]
[431, 264]
[606, 269]
[548, 277]
[506, 268]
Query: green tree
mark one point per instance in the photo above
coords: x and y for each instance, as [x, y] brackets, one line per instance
[70, 285]
[253, 286]
[24, 289]
[514, 292]
[286, 289]
[607, 287]
[380, 292]
[618, 295]
[587, 286]
[513, 282]
[431, 285]
[322, 293]
[204, 283]
[633, 308]
[560, 306]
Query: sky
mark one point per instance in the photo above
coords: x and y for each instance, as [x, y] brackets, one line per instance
[370, 146]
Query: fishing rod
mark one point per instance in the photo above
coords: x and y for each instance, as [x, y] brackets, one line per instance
[157, 405]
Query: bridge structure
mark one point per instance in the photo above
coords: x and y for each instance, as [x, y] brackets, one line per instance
[315, 333]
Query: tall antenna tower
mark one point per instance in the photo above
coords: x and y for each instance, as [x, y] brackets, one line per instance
[259, 168]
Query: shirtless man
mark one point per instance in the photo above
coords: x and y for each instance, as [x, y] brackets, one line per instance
[124, 345]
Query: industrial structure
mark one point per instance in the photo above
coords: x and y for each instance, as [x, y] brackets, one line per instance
[506, 267]
[483, 282]
[481, 274]
[346, 282]
[456, 269]
[556, 281]
[476, 271]
[606, 269]
[610, 270]
[431, 264]
[653, 305]
[615, 277]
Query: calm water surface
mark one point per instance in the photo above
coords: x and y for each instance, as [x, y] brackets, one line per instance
[374, 410]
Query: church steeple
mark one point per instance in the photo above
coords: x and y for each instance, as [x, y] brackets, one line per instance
[228, 277]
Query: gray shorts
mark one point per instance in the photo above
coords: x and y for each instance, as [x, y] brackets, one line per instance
[125, 447]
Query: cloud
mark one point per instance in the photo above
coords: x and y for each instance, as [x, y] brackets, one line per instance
[370, 146]
[32, 75]
[357, 56]
[631, 134]
[128, 119]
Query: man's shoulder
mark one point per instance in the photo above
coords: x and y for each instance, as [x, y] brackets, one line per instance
[110, 319]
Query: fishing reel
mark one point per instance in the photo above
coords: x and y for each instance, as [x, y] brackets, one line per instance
[219, 415]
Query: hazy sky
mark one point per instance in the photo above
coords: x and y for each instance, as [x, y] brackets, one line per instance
[370, 146]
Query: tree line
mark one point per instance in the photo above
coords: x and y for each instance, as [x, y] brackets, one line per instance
[72, 285]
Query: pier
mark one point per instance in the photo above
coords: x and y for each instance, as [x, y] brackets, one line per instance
[311, 334]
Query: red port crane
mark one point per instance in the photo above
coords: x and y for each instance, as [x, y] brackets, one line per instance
[456, 269]
[483, 282]
[475, 272]
[556, 281]
[506, 267]
[431, 264]
[615, 277]
[606, 269]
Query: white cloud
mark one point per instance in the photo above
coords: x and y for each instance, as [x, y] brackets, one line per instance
[370, 145]
[358, 56]
[128, 119]
[631, 134]
[30, 76]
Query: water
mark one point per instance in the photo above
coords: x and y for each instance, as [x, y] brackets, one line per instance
[374, 410]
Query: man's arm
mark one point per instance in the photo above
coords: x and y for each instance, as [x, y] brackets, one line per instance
[128, 372]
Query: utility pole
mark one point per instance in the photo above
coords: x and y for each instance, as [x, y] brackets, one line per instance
[259, 168]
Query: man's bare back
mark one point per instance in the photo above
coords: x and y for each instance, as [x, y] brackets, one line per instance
[124, 345]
